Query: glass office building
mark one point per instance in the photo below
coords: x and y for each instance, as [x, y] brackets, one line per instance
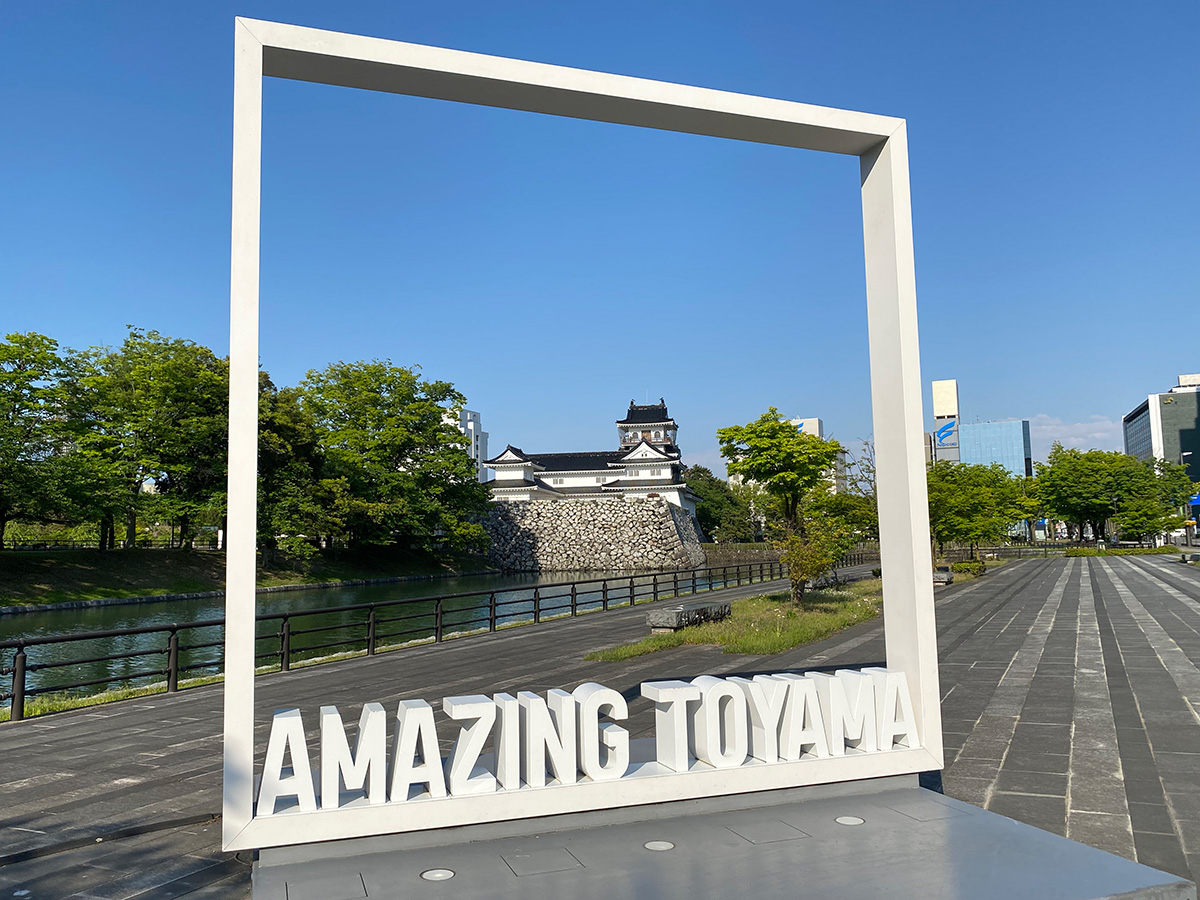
[1006, 443]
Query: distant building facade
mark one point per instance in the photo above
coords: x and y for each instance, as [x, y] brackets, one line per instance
[816, 427]
[944, 438]
[470, 425]
[1006, 443]
[646, 465]
[1167, 426]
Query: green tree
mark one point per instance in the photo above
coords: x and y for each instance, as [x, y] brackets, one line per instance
[33, 473]
[860, 503]
[1094, 486]
[971, 504]
[388, 436]
[297, 505]
[721, 513]
[812, 553]
[793, 469]
[151, 417]
[1154, 493]
[785, 461]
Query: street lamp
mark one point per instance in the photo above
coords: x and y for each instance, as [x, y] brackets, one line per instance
[1187, 528]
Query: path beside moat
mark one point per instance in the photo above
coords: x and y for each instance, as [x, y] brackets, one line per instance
[1071, 691]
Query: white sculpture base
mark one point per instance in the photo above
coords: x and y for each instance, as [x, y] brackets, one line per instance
[880, 838]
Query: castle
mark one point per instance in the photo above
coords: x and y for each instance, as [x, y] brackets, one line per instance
[647, 465]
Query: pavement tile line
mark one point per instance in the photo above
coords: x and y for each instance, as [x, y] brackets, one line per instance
[1180, 795]
[1181, 669]
[1097, 805]
[998, 722]
[846, 646]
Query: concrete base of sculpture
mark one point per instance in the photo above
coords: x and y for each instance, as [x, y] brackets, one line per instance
[881, 838]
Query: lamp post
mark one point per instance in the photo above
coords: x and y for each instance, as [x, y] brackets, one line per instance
[1187, 528]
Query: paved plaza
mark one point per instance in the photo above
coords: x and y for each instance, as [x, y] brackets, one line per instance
[1071, 692]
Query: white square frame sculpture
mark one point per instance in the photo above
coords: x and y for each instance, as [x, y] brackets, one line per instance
[880, 142]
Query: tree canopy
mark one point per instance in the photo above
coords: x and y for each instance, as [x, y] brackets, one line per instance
[723, 513]
[1094, 486]
[136, 435]
[972, 504]
[786, 462]
[794, 470]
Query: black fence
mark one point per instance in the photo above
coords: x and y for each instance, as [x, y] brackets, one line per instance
[129, 657]
[962, 554]
[204, 543]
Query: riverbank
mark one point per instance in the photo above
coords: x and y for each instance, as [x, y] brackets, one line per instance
[81, 578]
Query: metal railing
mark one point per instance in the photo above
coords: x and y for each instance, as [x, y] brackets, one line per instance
[201, 543]
[310, 635]
[984, 553]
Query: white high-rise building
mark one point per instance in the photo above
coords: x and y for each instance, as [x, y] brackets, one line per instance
[469, 424]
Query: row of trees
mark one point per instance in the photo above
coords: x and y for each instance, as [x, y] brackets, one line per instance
[360, 452]
[785, 494]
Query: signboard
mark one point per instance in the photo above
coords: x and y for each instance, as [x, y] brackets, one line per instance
[585, 764]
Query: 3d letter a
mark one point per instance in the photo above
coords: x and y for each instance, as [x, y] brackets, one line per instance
[897, 724]
[414, 726]
[287, 735]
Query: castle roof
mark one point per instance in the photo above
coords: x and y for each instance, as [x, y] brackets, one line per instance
[576, 462]
[650, 414]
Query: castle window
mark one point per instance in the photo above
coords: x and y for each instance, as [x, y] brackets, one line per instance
[656, 471]
[633, 472]
[599, 479]
[557, 481]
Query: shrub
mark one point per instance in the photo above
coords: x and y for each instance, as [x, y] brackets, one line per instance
[969, 567]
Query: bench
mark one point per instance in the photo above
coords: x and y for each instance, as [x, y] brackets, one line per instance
[681, 615]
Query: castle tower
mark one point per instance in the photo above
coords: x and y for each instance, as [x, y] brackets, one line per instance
[651, 423]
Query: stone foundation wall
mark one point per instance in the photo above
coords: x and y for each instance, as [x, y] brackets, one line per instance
[581, 535]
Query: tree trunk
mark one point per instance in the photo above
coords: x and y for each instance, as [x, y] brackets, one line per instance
[3, 527]
[185, 532]
[131, 528]
[798, 592]
[103, 533]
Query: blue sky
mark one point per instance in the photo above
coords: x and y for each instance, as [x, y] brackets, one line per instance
[555, 269]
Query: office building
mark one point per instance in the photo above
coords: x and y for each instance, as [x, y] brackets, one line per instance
[469, 424]
[1006, 443]
[945, 420]
[1167, 426]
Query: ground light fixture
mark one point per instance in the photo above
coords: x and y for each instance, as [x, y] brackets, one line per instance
[269, 49]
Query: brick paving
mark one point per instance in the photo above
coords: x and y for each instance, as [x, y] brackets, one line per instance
[1071, 701]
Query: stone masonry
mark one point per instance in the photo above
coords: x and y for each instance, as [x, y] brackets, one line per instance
[581, 535]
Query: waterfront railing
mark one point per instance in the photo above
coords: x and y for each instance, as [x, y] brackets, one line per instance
[93, 661]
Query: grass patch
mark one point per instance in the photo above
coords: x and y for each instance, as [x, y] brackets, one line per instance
[42, 704]
[57, 576]
[766, 625]
[1124, 551]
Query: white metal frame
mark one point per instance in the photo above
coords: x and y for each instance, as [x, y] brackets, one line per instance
[306, 54]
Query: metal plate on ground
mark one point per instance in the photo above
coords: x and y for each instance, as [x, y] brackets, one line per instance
[904, 848]
[767, 831]
[539, 862]
[333, 887]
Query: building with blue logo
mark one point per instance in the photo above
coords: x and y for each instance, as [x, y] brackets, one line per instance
[1006, 443]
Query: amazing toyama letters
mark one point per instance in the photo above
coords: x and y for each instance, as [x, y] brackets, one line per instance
[573, 738]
